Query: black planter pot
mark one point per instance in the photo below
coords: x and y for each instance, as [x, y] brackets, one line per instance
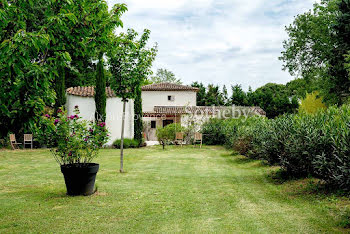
[80, 178]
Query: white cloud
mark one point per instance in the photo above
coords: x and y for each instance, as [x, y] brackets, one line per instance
[217, 41]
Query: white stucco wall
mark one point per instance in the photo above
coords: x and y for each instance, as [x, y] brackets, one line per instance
[160, 98]
[114, 110]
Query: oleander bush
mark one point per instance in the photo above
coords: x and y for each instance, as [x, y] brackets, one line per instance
[302, 144]
[213, 132]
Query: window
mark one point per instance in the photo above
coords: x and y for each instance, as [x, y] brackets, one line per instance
[171, 98]
[153, 124]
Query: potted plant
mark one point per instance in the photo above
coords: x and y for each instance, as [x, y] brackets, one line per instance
[74, 144]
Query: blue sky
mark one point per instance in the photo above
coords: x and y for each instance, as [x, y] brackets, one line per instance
[217, 41]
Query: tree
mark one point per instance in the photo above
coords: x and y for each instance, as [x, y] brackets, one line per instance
[338, 82]
[300, 87]
[163, 75]
[130, 63]
[274, 100]
[225, 98]
[213, 96]
[42, 44]
[316, 48]
[25, 78]
[100, 91]
[239, 97]
[201, 94]
[311, 103]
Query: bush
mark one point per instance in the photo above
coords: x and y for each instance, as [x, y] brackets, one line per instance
[128, 143]
[167, 134]
[213, 133]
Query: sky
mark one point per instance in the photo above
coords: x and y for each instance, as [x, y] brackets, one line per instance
[224, 42]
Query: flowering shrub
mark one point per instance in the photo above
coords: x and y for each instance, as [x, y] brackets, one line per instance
[73, 140]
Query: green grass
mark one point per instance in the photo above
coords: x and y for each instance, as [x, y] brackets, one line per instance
[176, 190]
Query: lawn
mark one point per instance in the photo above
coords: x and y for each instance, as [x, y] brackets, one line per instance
[176, 190]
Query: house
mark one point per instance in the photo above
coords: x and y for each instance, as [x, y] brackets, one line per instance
[162, 104]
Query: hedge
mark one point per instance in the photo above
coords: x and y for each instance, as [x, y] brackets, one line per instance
[302, 144]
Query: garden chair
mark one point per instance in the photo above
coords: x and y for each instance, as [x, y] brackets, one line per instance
[179, 138]
[198, 138]
[28, 140]
[13, 142]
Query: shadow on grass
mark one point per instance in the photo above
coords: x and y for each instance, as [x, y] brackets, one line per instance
[304, 185]
[237, 159]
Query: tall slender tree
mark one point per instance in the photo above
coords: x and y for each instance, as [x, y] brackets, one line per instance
[225, 96]
[138, 124]
[100, 91]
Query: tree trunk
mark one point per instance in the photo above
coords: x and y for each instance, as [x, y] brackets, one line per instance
[122, 140]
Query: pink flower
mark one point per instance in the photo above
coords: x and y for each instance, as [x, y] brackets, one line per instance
[76, 116]
[71, 117]
[91, 130]
[59, 111]
[102, 124]
[70, 153]
[47, 116]
[56, 121]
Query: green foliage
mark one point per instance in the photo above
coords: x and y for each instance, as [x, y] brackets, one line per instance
[338, 82]
[299, 88]
[238, 97]
[201, 95]
[72, 139]
[48, 46]
[128, 143]
[213, 96]
[225, 97]
[100, 92]
[163, 75]
[312, 103]
[316, 48]
[274, 100]
[138, 123]
[130, 63]
[213, 133]
[60, 88]
[167, 134]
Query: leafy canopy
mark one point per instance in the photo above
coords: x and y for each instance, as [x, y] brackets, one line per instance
[163, 75]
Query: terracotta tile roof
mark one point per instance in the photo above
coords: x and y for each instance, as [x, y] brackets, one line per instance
[88, 91]
[168, 87]
[210, 110]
